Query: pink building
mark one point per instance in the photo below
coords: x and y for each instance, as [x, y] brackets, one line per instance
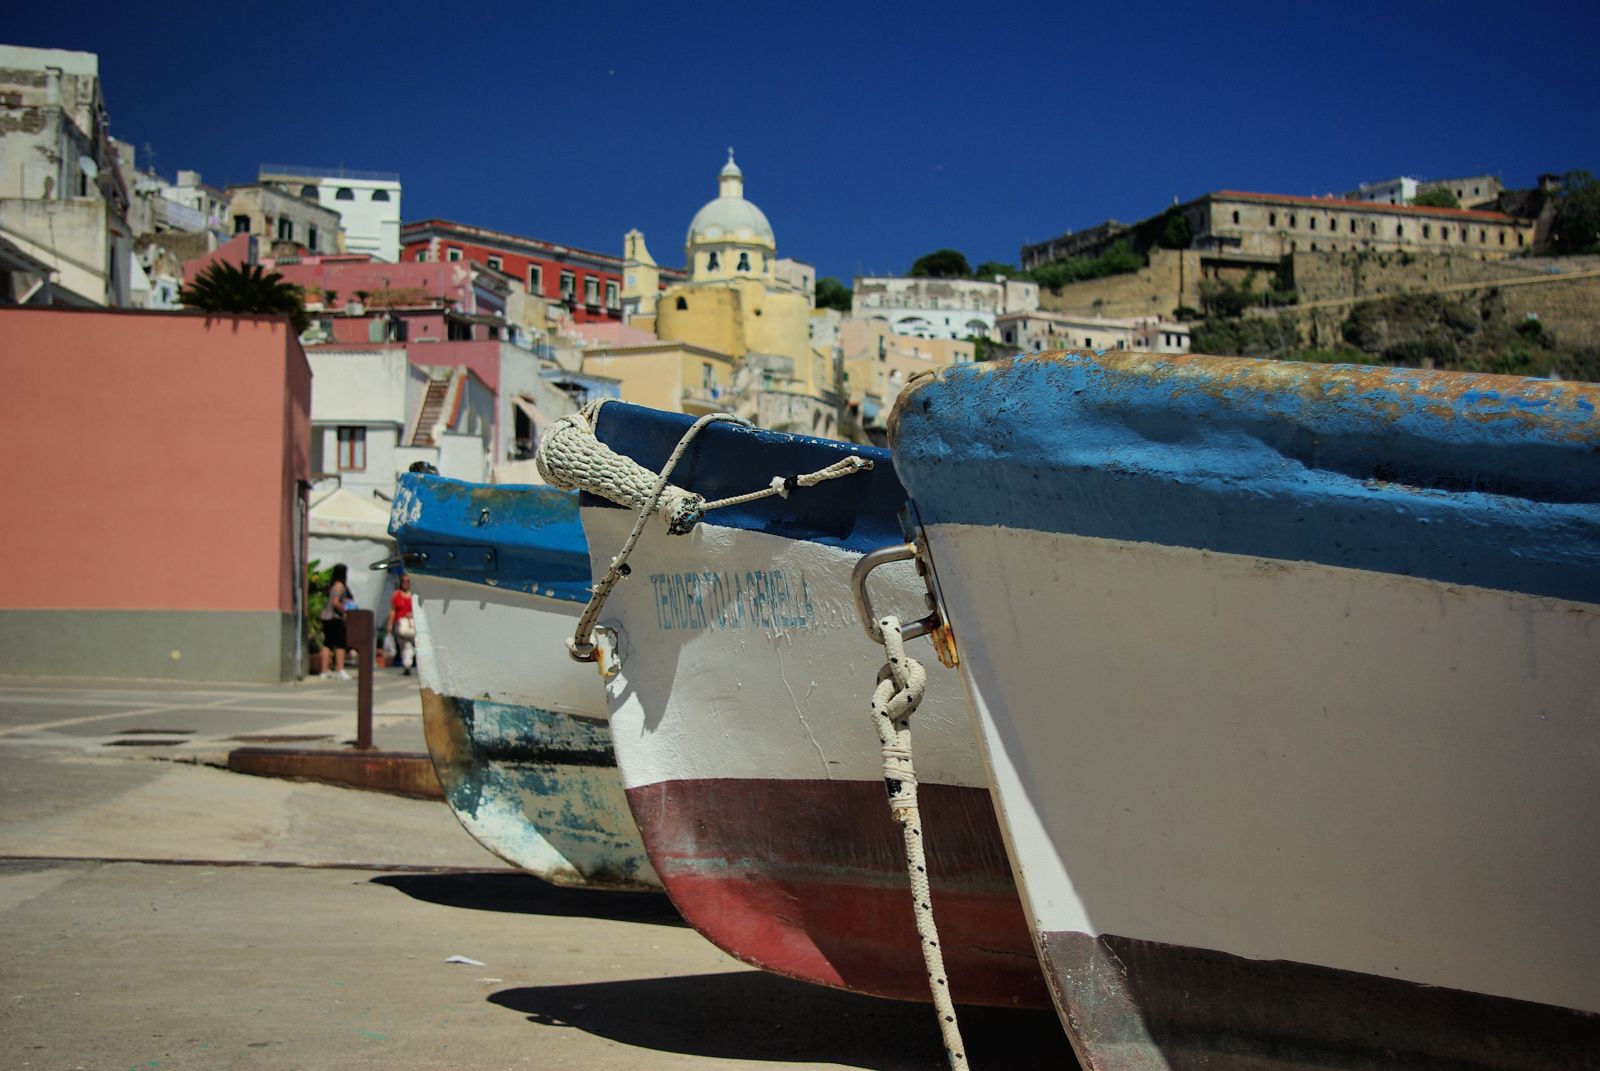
[157, 496]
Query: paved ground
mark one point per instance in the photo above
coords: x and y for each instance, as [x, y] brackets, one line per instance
[270, 924]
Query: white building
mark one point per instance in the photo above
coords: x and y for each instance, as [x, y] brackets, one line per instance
[1033, 332]
[797, 275]
[1395, 191]
[942, 308]
[63, 201]
[368, 203]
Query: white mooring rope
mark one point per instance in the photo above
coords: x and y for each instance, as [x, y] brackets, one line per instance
[573, 459]
[898, 693]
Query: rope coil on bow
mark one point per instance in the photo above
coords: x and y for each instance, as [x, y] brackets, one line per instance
[572, 458]
[901, 683]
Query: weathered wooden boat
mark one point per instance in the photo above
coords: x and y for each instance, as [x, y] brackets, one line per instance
[1289, 683]
[516, 729]
[740, 715]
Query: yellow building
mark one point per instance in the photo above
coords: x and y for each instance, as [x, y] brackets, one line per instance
[733, 301]
[679, 377]
[877, 363]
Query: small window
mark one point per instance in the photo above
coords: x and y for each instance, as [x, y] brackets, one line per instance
[309, 192]
[535, 279]
[1427, 231]
[452, 254]
[713, 262]
[1292, 220]
[345, 194]
[591, 291]
[241, 224]
[1313, 223]
[422, 255]
[1352, 226]
[285, 229]
[1374, 229]
[1272, 219]
[352, 449]
[1483, 236]
[569, 286]
[1236, 217]
[1463, 234]
[1444, 233]
[683, 305]
[311, 238]
[380, 195]
[611, 295]
[1502, 237]
[1087, 341]
[1399, 230]
[744, 261]
[494, 262]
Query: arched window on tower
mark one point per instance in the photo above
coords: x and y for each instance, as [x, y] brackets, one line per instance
[713, 262]
[683, 304]
[744, 261]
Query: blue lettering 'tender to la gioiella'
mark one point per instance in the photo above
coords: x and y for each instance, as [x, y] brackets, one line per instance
[759, 598]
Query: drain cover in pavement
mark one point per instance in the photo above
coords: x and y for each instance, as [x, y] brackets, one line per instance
[155, 732]
[142, 743]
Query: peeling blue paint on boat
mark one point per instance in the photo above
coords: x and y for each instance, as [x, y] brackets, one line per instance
[525, 780]
[1338, 465]
[533, 531]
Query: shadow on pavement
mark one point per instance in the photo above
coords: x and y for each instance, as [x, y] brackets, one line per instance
[749, 1015]
[525, 894]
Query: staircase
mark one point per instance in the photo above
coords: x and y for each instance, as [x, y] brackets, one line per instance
[432, 412]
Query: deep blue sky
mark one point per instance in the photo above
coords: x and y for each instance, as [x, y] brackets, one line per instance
[869, 133]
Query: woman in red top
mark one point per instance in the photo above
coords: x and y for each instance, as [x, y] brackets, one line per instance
[403, 623]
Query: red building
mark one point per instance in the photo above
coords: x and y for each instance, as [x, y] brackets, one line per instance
[588, 283]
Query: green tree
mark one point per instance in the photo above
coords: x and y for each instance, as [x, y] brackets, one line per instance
[1117, 260]
[1175, 231]
[224, 287]
[990, 268]
[1438, 197]
[981, 348]
[832, 294]
[942, 264]
[1575, 228]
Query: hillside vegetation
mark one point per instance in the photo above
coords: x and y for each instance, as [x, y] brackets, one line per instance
[1469, 334]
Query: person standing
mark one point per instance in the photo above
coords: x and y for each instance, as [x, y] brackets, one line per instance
[402, 624]
[334, 637]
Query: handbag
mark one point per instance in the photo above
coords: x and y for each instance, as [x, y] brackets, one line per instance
[406, 628]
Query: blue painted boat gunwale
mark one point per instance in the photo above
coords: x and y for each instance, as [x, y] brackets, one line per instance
[857, 512]
[1490, 481]
[534, 531]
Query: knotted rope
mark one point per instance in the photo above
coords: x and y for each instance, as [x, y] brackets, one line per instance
[573, 459]
[899, 691]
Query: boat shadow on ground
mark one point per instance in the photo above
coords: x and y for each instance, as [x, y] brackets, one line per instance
[525, 894]
[749, 1015]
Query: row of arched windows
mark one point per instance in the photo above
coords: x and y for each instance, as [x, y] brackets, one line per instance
[714, 262]
[343, 193]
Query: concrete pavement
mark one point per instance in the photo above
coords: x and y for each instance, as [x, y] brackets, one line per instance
[334, 954]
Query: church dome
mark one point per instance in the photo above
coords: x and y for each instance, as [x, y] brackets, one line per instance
[730, 218]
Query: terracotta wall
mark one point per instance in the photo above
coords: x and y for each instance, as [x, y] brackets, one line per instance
[154, 460]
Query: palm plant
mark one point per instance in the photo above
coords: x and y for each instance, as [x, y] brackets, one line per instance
[224, 287]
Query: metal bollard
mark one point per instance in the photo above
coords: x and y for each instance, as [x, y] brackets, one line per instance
[359, 632]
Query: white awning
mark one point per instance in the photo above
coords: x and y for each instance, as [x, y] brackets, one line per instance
[531, 411]
[342, 512]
